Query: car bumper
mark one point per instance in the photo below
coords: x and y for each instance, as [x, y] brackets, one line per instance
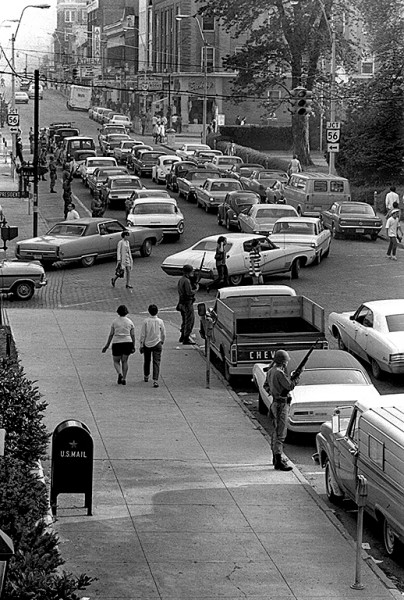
[41, 255]
[177, 271]
[357, 229]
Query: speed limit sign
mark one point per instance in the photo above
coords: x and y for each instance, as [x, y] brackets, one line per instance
[13, 119]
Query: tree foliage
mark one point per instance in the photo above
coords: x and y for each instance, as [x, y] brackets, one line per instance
[285, 40]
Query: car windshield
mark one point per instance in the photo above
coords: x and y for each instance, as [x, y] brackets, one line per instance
[228, 160]
[152, 194]
[272, 213]
[246, 200]
[150, 155]
[69, 230]
[169, 161]
[116, 138]
[154, 208]
[126, 183]
[225, 186]
[357, 209]
[395, 322]
[127, 144]
[209, 246]
[295, 228]
[332, 377]
[101, 163]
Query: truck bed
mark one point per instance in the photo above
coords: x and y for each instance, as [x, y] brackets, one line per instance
[270, 326]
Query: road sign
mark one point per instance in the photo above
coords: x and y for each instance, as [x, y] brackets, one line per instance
[333, 135]
[13, 110]
[13, 119]
[332, 147]
[14, 129]
[13, 194]
[334, 125]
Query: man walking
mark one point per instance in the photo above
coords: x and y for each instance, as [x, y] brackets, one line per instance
[279, 384]
[394, 233]
[186, 294]
[52, 174]
[391, 197]
[294, 166]
[152, 338]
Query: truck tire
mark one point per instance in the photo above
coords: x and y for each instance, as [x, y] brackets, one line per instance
[262, 407]
[295, 270]
[332, 497]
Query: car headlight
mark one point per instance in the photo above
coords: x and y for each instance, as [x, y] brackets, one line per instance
[396, 357]
[211, 199]
[313, 245]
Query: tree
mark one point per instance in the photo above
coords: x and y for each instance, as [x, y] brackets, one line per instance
[286, 39]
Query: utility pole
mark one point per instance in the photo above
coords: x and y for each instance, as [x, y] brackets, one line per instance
[333, 92]
[36, 153]
[13, 135]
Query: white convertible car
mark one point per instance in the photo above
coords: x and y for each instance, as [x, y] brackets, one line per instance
[375, 332]
[274, 260]
[331, 378]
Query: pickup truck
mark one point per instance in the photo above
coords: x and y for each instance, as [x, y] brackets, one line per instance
[366, 440]
[251, 323]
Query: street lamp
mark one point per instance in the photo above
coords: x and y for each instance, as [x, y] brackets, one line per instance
[179, 17]
[331, 31]
[13, 38]
[6, 552]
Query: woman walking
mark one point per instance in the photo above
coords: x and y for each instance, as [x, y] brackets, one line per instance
[122, 336]
[124, 259]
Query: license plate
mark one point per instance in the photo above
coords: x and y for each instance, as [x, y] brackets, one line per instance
[360, 230]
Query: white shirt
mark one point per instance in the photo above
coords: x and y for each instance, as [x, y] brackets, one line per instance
[122, 327]
[153, 331]
[72, 215]
[390, 198]
[392, 226]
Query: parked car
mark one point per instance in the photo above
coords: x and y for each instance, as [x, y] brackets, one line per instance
[133, 154]
[224, 163]
[274, 260]
[261, 180]
[359, 218]
[162, 213]
[116, 119]
[108, 129]
[21, 98]
[331, 378]
[31, 91]
[375, 333]
[94, 162]
[144, 160]
[261, 218]
[303, 231]
[206, 156]
[86, 240]
[79, 159]
[92, 111]
[214, 191]
[21, 278]
[99, 176]
[235, 203]
[119, 188]
[112, 141]
[179, 169]
[163, 166]
[188, 183]
[103, 115]
[121, 152]
[243, 170]
[187, 150]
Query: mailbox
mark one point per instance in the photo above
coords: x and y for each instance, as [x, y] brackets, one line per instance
[72, 462]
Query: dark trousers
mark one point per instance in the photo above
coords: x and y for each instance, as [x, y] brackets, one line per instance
[222, 278]
[188, 320]
[392, 249]
[148, 353]
[278, 425]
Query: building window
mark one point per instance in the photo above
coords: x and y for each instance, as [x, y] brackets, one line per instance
[70, 16]
[367, 67]
[210, 58]
[208, 24]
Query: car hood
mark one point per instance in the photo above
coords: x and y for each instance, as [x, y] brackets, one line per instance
[18, 267]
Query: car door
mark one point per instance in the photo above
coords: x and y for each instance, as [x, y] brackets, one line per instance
[324, 237]
[329, 216]
[273, 259]
[110, 235]
[364, 332]
[346, 455]
[357, 332]
[246, 221]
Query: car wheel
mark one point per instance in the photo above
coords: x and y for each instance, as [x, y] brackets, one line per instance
[24, 290]
[335, 233]
[236, 279]
[262, 407]
[179, 194]
[341, 345]
[390, 541]
[318, 258]
[228, 226]
[87, 261]
[295, 270]
[146, 248]
[376, 370]
[327, 252]
[374, 236]
[332, 497]
[180, 228]
[219, 219]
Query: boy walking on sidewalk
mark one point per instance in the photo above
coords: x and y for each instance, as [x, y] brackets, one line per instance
[152, 337]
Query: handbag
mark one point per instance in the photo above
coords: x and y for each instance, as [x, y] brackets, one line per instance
[119, 271]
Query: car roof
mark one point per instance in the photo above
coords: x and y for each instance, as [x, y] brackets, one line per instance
[171, 156]
[325, 359]
[223, 180]
[316, 175]
[298, 219]
[78, 137]
[233, 193]
[121, 176]
[232, 237]
[160, 199]
[386, 307]
[346, 202]
[104, 158]
[88, 221]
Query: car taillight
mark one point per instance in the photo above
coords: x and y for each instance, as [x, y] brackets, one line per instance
[233, 353]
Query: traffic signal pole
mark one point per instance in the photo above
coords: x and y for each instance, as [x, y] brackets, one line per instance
[36, 153]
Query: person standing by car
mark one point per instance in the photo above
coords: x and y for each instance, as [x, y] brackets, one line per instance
[255, 263]
[186, 299]
[52, 174]
[124, 259]
[394, 233]
[221, 266]
[97, 207]
[122, 336]
[72, 213]
[152, 338]
[279, 384]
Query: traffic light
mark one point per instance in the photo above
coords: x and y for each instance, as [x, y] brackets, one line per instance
[75, 72]
[301, 101]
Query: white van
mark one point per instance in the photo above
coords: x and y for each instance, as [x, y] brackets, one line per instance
[311, 193]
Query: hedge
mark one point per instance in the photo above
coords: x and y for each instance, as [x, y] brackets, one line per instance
[263, 137]
[249, 155]
[34, 568]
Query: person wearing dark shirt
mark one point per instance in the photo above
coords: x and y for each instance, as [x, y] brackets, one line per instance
[186, 299]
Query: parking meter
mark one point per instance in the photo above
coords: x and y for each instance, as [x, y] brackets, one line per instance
[361, 490]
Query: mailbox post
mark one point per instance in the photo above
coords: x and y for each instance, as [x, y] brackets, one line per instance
[72, 462]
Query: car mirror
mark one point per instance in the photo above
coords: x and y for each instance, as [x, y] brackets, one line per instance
[352, 318]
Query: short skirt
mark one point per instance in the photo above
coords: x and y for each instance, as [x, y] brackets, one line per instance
[122, 349]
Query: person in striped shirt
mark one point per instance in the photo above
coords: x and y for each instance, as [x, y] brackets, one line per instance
[255, 263]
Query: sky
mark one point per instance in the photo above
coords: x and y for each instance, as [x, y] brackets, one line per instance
[33, 37]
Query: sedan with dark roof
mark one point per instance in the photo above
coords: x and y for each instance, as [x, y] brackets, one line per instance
[355, 218]
[191, 181]
[214, 191]
[235, 203]
[86, 240]
[261, 181]
[144, 160]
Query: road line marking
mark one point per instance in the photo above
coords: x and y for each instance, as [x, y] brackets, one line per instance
[77, 200]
